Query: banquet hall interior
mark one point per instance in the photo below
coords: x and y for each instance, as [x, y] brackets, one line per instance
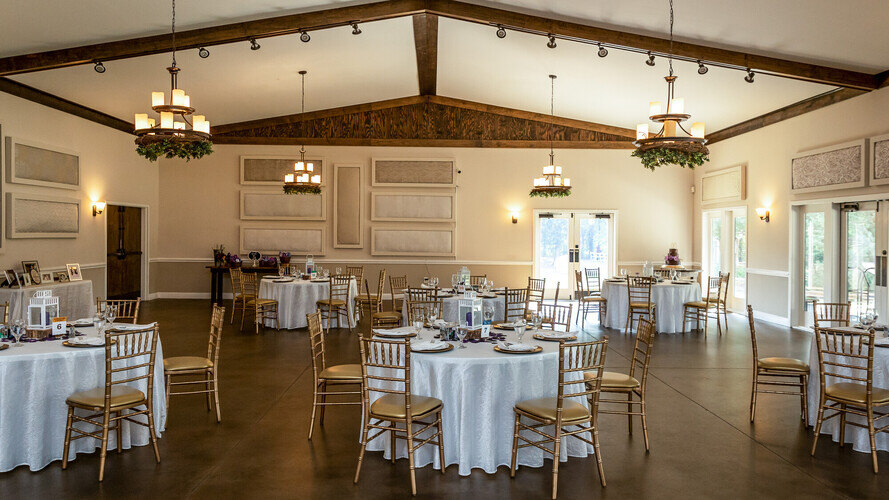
[441, 248]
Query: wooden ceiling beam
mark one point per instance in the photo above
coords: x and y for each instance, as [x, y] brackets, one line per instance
[426, 44]
[429, 143]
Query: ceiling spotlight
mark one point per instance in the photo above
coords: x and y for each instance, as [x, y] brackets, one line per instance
[254, 45]
[501, 32]
[552, 42]
[702, 70]
[99, 67]
[355, 29]
[750, 75]
[204, 53]
[602, 51]
[304, 36]
[650, 61]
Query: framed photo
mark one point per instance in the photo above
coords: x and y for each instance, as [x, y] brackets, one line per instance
[61, 276]
[11, 280]
[27, 265]
[46, 277]
[74, 272]
[25, 279]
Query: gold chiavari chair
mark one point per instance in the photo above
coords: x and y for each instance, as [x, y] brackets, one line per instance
[363, 300]
[563, 412]
[536, 287]
[397, 285]
[721, 298]
[336, 304]
[324, 375]
[208, 367]
[476, 281]
[263, 309]
[356, 272]
[422, 310]
[516, 305]
[127, 310]
[555, 316]
[704, 309]
[848, 358]
[286, 268]
[639, 295]
[421, 294]
[778, 372]
[589, 300]
[831, 313]
[633, 384]
[386, 364]
[5, 307]
[239, 298]
[118, 399]
[380, 318]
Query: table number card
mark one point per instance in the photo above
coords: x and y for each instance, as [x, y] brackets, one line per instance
[59, 325]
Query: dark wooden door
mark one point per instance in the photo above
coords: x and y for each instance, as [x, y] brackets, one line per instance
[124, 259]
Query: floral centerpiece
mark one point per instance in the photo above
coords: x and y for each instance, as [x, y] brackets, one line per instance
[219, 255]
[672, 258]
[233, 260]
[285, 257]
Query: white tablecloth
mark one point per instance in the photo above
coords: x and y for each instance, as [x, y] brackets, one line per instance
[668, 297]
[76, 299]
[451, 308]
[299, 297]
[479, 388]
[855, 435]
[36, 379]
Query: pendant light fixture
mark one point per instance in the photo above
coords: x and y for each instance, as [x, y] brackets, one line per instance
[303, 180]
[172, 137]
[551, 184]
[668, 146]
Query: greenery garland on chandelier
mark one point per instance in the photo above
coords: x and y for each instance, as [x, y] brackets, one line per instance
[174, 149]
[658, 157]
[563, 193]
[294, 188]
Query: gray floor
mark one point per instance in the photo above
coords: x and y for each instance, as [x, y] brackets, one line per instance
[702, 443]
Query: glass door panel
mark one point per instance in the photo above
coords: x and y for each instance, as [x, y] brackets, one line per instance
[860, 248]
[813, 262]
[594, 242]
[714, 244]
[553, 249]
[739, 264]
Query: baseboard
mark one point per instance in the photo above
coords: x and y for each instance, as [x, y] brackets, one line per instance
[185, 295]
[771, 318]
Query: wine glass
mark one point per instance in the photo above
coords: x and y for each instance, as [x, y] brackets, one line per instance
[339, 271]
[623, 272]
[111, 314]
[488, 312]
[454, 280]
[17, 330]
[536, 321]
[520, 329]
[280, 272]
[434, 282]
[419, 322]
[461, 334]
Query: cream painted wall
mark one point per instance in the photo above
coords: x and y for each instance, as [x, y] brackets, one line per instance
[110, 170]
[199, 206]
[767, 153]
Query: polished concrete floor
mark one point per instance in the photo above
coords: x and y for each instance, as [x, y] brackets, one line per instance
[702, 443]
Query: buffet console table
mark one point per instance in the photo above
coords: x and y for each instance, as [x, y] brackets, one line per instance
[217, 272]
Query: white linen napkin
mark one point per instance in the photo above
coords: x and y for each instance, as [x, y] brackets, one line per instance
[883, 342]
[96, 341]
[127, 326]
[83, 322]
[556, 335]
[428, 345]
[401, 331]
[515, 347]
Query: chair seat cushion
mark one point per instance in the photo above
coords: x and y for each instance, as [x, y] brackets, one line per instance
[855, 393]
[262, 302]
[592, 298]
[392, 406]
[341, 372]
[363, 297]
[715, 300]
[393, 315]
[788, 364]
[545, 409]
[186, 363]
[697, 303]
[334, 302]
[645, 305]
[121, 395]
[614, 380]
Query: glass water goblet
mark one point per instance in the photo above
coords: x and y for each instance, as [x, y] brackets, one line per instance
[280, 272]
[111, 314]
[488, 312]
[17, 331]
[339, 271]
[520, 330]
[461, 334]
[434, 282]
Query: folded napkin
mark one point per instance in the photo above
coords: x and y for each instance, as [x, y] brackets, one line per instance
[556, 335]
[883, 342]
[509, 346]
[505, 324]
[401, 331]
[428, 345]
[127, 326]
[83, 322]
[95, 341]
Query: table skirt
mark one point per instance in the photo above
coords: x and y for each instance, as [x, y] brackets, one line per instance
[76, 299]
[451, 308]
[669, 300]
[298, 298]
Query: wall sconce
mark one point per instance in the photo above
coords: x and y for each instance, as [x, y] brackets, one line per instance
[515, 217]
[98, 207]
[763, 213]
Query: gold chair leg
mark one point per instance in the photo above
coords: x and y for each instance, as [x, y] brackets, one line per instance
[629, 320]
[169, 379]
[804, 382]
[68, 437]
[157, 453]
[104, 450]
[871, 432]
[441, 457]
[312, 420]
[363, 447]
[644, 425]
[819, 419]
[216, 396]
[558, 441]
[842, 425]
[684, 318]
[119, 434]
[234, 306]
[753, 395]
[392, 442]
[323, 399]
[629, 412]
[208, 388]
[410, 456]
[598, 452]
[515, 444]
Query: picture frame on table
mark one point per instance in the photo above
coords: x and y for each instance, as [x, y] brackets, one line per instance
[74, 273]
[61, 276]
[46, 277]
[31, 269]
[11, 280]
[25, 279]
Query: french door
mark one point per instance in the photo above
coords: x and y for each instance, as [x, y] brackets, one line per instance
[725, 250]
[863, 233]
[566, 241]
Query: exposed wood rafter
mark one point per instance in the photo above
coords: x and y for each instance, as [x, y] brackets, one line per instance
[426, 43]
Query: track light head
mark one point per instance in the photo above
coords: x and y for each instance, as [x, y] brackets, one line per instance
[750, 75]
[355, 29]
[552, 42]
[204, 53]
[99, 67]
[254, 45]
[602, 51]
[501, 32]
[650, 61]
[305, 37]
[702, 70]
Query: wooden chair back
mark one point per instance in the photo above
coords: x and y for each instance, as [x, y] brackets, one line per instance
[235, 274]
[5, 307]
[386, 369]
[339, 287]
[556, 316]
[831, 313]
[421, 294]
[752, 335]
[316, 340]
[516, 303]
[357, 272]
[593, 281]
[723, 295]
[846, 357]
[127, 310]
[249, 285]
[286, 268]
[536, 287]
[216, 320]
[381, 283]
[714, 288]
[423, 310]
[580, 287]
[575, 358]
[476, 281]
[122, 366]
[641, 359]
[639, 288]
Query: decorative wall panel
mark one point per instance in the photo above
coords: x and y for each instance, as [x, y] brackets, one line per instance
[879, 160]
[40, 165]
[270, 170]
[729, 184]
[836, 167]
[348, 203]
[420, 241]
[275, 205]
[414, 172]
[412, 207]
[34, 216]
[274, 240]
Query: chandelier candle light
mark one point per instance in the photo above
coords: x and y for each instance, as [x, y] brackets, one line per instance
[551, 184]
[172, 138]
[667, 146]
[303, 180]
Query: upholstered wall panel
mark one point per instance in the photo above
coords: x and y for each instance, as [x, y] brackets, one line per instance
[256, 205]
[414, 172]
[879, 157]
[418, 242]
[412, 207]
[274, 240]
[348, 203]
[724, 185]
[32, 216]
[837, 167]
[259, 170]
[39, 165]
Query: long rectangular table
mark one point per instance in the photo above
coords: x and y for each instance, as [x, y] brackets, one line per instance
[76, 299]
[217, 272]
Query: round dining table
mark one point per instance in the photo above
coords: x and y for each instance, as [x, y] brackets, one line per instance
[479, 388]
[669, 299]
[297, 297]
[35, 381]
[450, 306]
